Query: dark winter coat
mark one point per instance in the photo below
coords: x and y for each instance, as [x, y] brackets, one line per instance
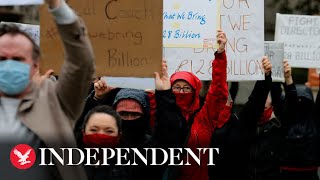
[300, 147]
[140, 140]
[265, 151]
[235, 137]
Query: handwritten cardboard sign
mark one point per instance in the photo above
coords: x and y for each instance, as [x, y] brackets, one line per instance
[243, 23]
[275, 52]
[301, 37]
[126, 36]
[189, 23]
[19, 2]
[31, 29]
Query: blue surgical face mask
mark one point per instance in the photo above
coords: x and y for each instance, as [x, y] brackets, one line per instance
[14, 77]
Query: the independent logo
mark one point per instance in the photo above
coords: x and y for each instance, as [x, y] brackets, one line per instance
[22, 156]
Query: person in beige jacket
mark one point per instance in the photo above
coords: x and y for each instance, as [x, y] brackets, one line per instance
[42, 115]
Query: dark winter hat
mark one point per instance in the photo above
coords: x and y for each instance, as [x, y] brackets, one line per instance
[304, 92]
[136, 94]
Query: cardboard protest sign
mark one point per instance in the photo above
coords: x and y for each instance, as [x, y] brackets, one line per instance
[275, 52]
[243, 23]
[301, 37]
[126, 36]
[189, 23]
[31, 29]
[20, 2]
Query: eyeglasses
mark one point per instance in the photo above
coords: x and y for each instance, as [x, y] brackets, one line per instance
[185, 89]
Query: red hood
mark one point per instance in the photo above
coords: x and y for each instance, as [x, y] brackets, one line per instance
[195, 82]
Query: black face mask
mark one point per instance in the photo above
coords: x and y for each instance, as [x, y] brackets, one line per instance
[133, 130]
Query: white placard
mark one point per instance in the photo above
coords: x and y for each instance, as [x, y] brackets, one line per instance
[275, 52]
[197, 61]
[32, 30]
[189, 23]
[301, 37]
[20, 2]
[243, 23]
[130, 82]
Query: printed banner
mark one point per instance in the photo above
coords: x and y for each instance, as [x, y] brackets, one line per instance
[301, 37]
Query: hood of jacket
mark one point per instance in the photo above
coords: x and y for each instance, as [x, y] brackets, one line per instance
[305, 92]
[140, 96]
[195, 83]
[136, 94]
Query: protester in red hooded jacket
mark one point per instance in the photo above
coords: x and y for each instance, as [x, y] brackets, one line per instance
[183, 100]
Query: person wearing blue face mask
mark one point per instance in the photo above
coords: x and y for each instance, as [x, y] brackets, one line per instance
[14, 77]
[41, 114]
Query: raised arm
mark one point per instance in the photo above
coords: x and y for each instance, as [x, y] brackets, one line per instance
[78, 69]
[290, 104]
[277, 98]
[101, 95]
[255, 105]
[170, 125]
[217, 95]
